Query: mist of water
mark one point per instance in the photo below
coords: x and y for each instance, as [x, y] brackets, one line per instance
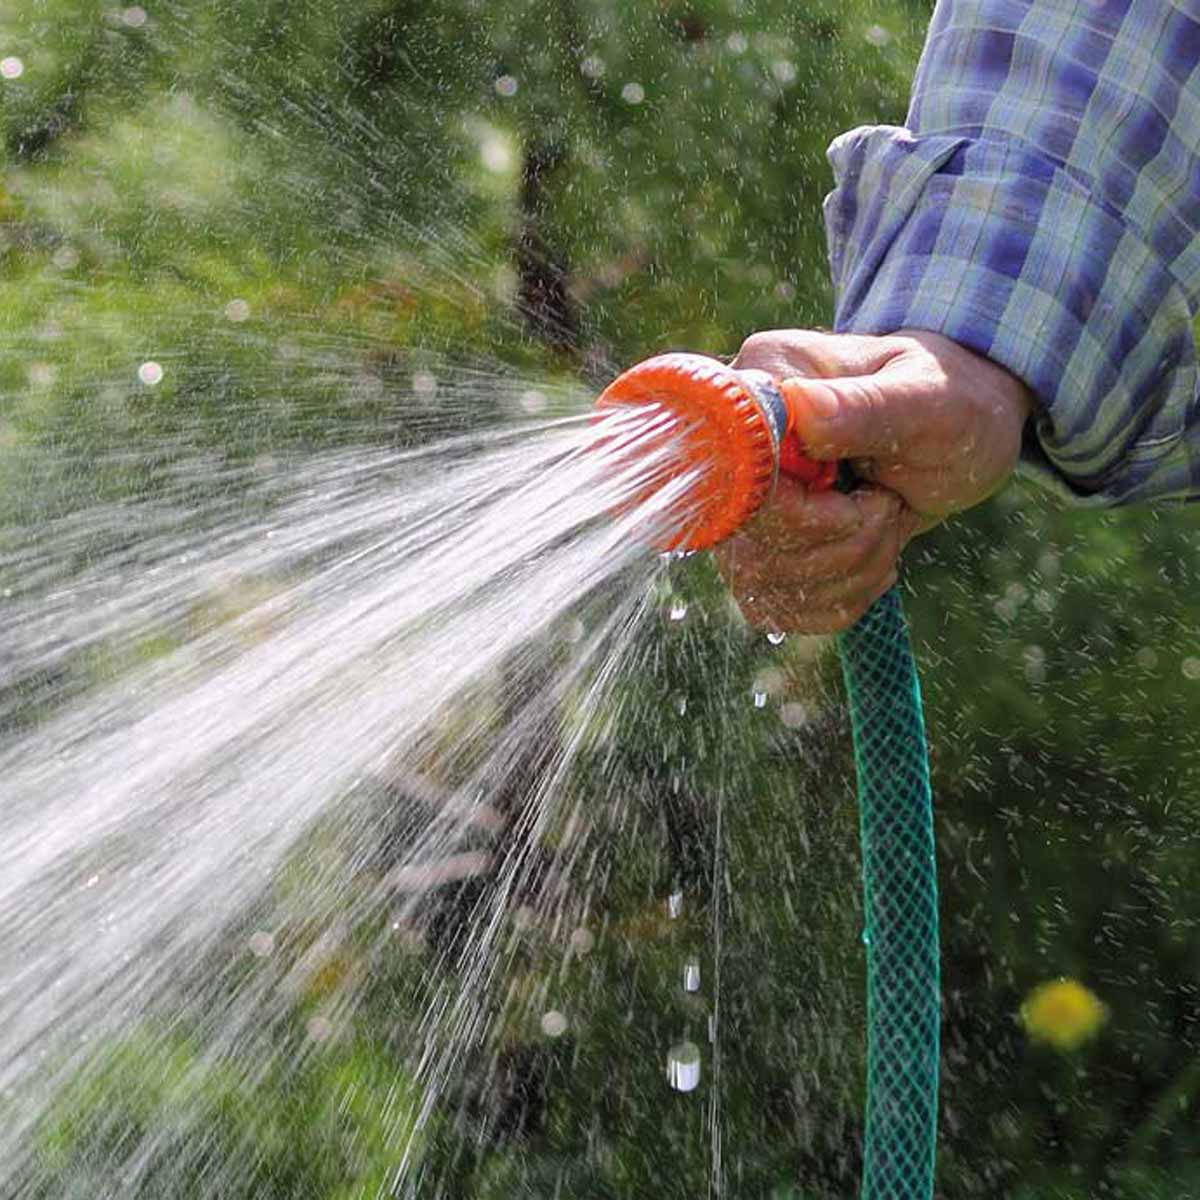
[188, 691]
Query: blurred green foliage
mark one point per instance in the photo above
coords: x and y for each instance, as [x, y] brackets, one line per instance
[292, 207]
[340, 1122]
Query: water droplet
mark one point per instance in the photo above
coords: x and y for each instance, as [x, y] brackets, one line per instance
[866, 937]
[554, 1024]
[504, 284]
[633, 93]
[506, 85]
[877, 35]
[793, 714]
[683, 1067]
[760, 699]
[496, 154]
[424, 384]
[593, 67]
[1191, 668]
[92, 881]
[736, 43]
[41, 374]
[319, 1028]
[674, 904]
[12, 67]
[776, 638]
[150, 373]
[237, 310]
[691, 975]
[1146, 658]
[532, 401]
[678, 612]
[261, 944]
[681, 705]
[1035, 664]
[1050, 564]
[784, 71]
[582, 941]
[134, 16]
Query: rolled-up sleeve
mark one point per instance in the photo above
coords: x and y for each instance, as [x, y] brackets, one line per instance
[1041, 206]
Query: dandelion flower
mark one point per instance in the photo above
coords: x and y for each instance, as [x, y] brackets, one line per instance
[1062, 1012]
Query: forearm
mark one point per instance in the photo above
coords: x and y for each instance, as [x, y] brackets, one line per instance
[1041, 209]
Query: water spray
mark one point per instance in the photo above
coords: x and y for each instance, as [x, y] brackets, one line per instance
[735, 429]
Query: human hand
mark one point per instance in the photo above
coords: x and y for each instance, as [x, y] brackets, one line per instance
[931, 427]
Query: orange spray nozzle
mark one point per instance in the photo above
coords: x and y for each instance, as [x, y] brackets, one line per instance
[733, 427]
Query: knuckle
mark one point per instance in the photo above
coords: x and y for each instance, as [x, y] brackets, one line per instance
[765, 345]
[788, 351]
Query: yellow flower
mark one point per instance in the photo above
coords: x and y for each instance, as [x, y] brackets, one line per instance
[1062, 1012]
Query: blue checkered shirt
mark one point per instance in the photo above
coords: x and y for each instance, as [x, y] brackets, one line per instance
[1042, 207]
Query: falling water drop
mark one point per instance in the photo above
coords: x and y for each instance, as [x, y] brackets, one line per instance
[678, 611]
[760, 699]
[674, 904]
[583, 941]
[683, 1067]
[681, 705]
[554, 1024]
[775, 637]
[319, 1028]
[262, 944]
[691, 975]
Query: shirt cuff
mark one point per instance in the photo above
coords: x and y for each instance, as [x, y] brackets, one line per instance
[1008, 254]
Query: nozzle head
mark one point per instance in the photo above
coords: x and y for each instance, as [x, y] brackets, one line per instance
[723, 429]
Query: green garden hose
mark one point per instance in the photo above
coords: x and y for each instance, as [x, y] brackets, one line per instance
[899, 905]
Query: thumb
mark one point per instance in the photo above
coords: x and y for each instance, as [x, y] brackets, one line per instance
[851, 417]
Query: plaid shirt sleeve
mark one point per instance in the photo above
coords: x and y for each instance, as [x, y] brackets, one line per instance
[1042, 207]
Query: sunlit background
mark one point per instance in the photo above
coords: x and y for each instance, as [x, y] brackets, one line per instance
[366, 831]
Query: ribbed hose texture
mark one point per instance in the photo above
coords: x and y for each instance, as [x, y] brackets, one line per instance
[899, 905]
